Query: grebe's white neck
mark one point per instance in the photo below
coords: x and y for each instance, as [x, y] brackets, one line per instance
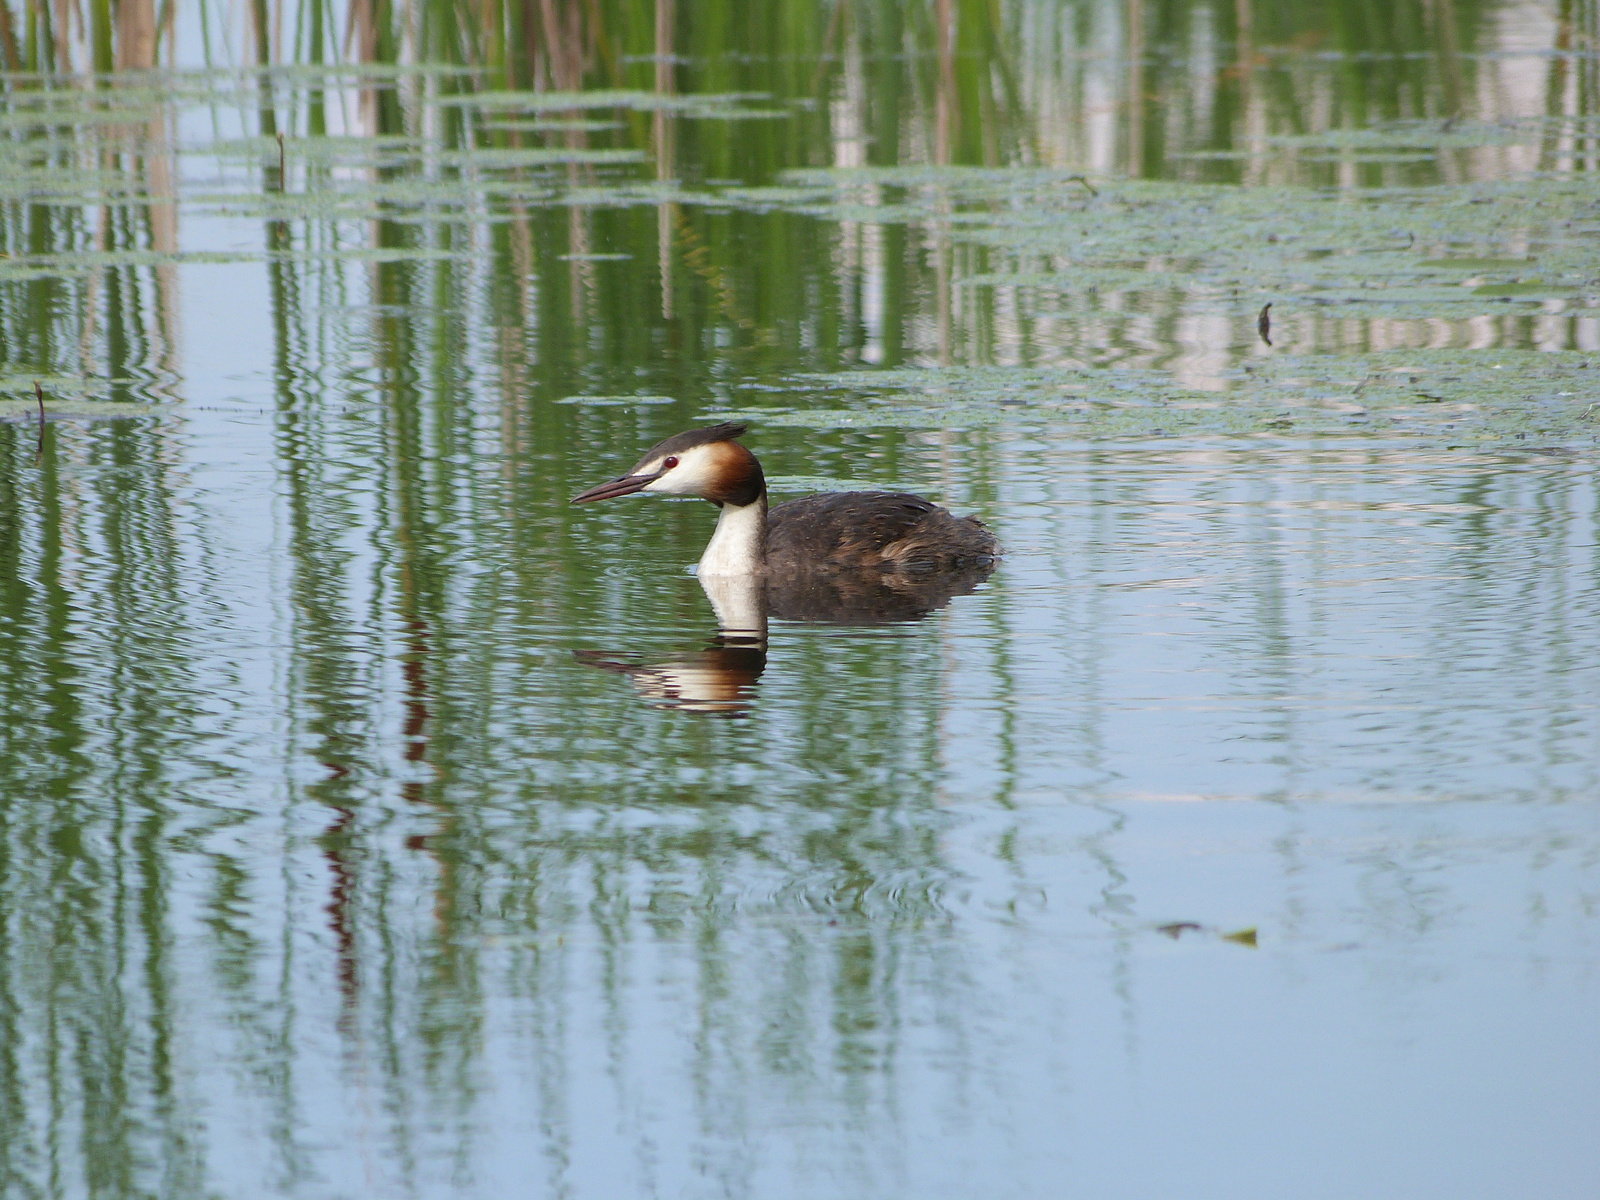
[739, 546]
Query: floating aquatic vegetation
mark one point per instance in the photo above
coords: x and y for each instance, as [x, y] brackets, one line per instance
[368, 254]
[526, 125]
[1447, 397]
[23, 120]
[71, 185]
[340, 151]
[617, 401]
[761, 199]
[376, 198]
[862, 417]
[26, 411]
[399, 151]
[500, 157]
[625, 193]
[1450, 252]
[717, 106]
[78, 262]
[1438, 135]
[65, 397]
[1097, 278]
[1042, 241]
[327, 74]
[802, 484]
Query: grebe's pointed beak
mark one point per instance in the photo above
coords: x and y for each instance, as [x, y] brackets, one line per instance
[622, 485]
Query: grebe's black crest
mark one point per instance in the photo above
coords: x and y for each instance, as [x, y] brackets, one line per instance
[728, 431]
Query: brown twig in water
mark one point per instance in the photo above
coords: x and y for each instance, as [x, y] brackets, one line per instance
[1085, 182]
[282, 177]
[38, 391]
[1264, 325]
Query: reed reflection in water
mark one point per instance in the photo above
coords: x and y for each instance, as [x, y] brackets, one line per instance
[330, 864]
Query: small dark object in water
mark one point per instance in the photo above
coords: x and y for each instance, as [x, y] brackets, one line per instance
[1085, 182]
[1264, 325]
[38, 391]
[1177, 928]
[282, 178]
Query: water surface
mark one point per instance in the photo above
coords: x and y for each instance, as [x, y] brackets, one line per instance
[374, 823]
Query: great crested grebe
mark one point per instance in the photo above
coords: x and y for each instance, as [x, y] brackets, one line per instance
[833, 532]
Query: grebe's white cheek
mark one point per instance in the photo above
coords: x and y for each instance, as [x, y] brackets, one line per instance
[672, 483]
[691, 477]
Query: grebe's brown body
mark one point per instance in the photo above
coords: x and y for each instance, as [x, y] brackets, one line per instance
[837, 532]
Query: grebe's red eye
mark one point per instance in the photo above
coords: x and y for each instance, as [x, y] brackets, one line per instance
[669, 462]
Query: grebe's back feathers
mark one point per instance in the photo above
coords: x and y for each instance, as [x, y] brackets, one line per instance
[851, 530]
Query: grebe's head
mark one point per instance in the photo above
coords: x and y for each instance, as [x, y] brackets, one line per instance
[707, 463]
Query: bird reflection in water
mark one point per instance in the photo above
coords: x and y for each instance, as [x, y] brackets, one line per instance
[721, 678]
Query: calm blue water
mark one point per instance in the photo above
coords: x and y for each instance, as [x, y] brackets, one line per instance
[1238, 838]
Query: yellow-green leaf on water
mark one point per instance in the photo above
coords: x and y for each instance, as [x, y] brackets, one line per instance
[1244, 937]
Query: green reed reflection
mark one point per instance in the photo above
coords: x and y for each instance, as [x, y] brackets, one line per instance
[105, 718]
[299, 774]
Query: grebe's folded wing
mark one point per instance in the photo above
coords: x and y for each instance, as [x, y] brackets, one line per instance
[857, 529]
